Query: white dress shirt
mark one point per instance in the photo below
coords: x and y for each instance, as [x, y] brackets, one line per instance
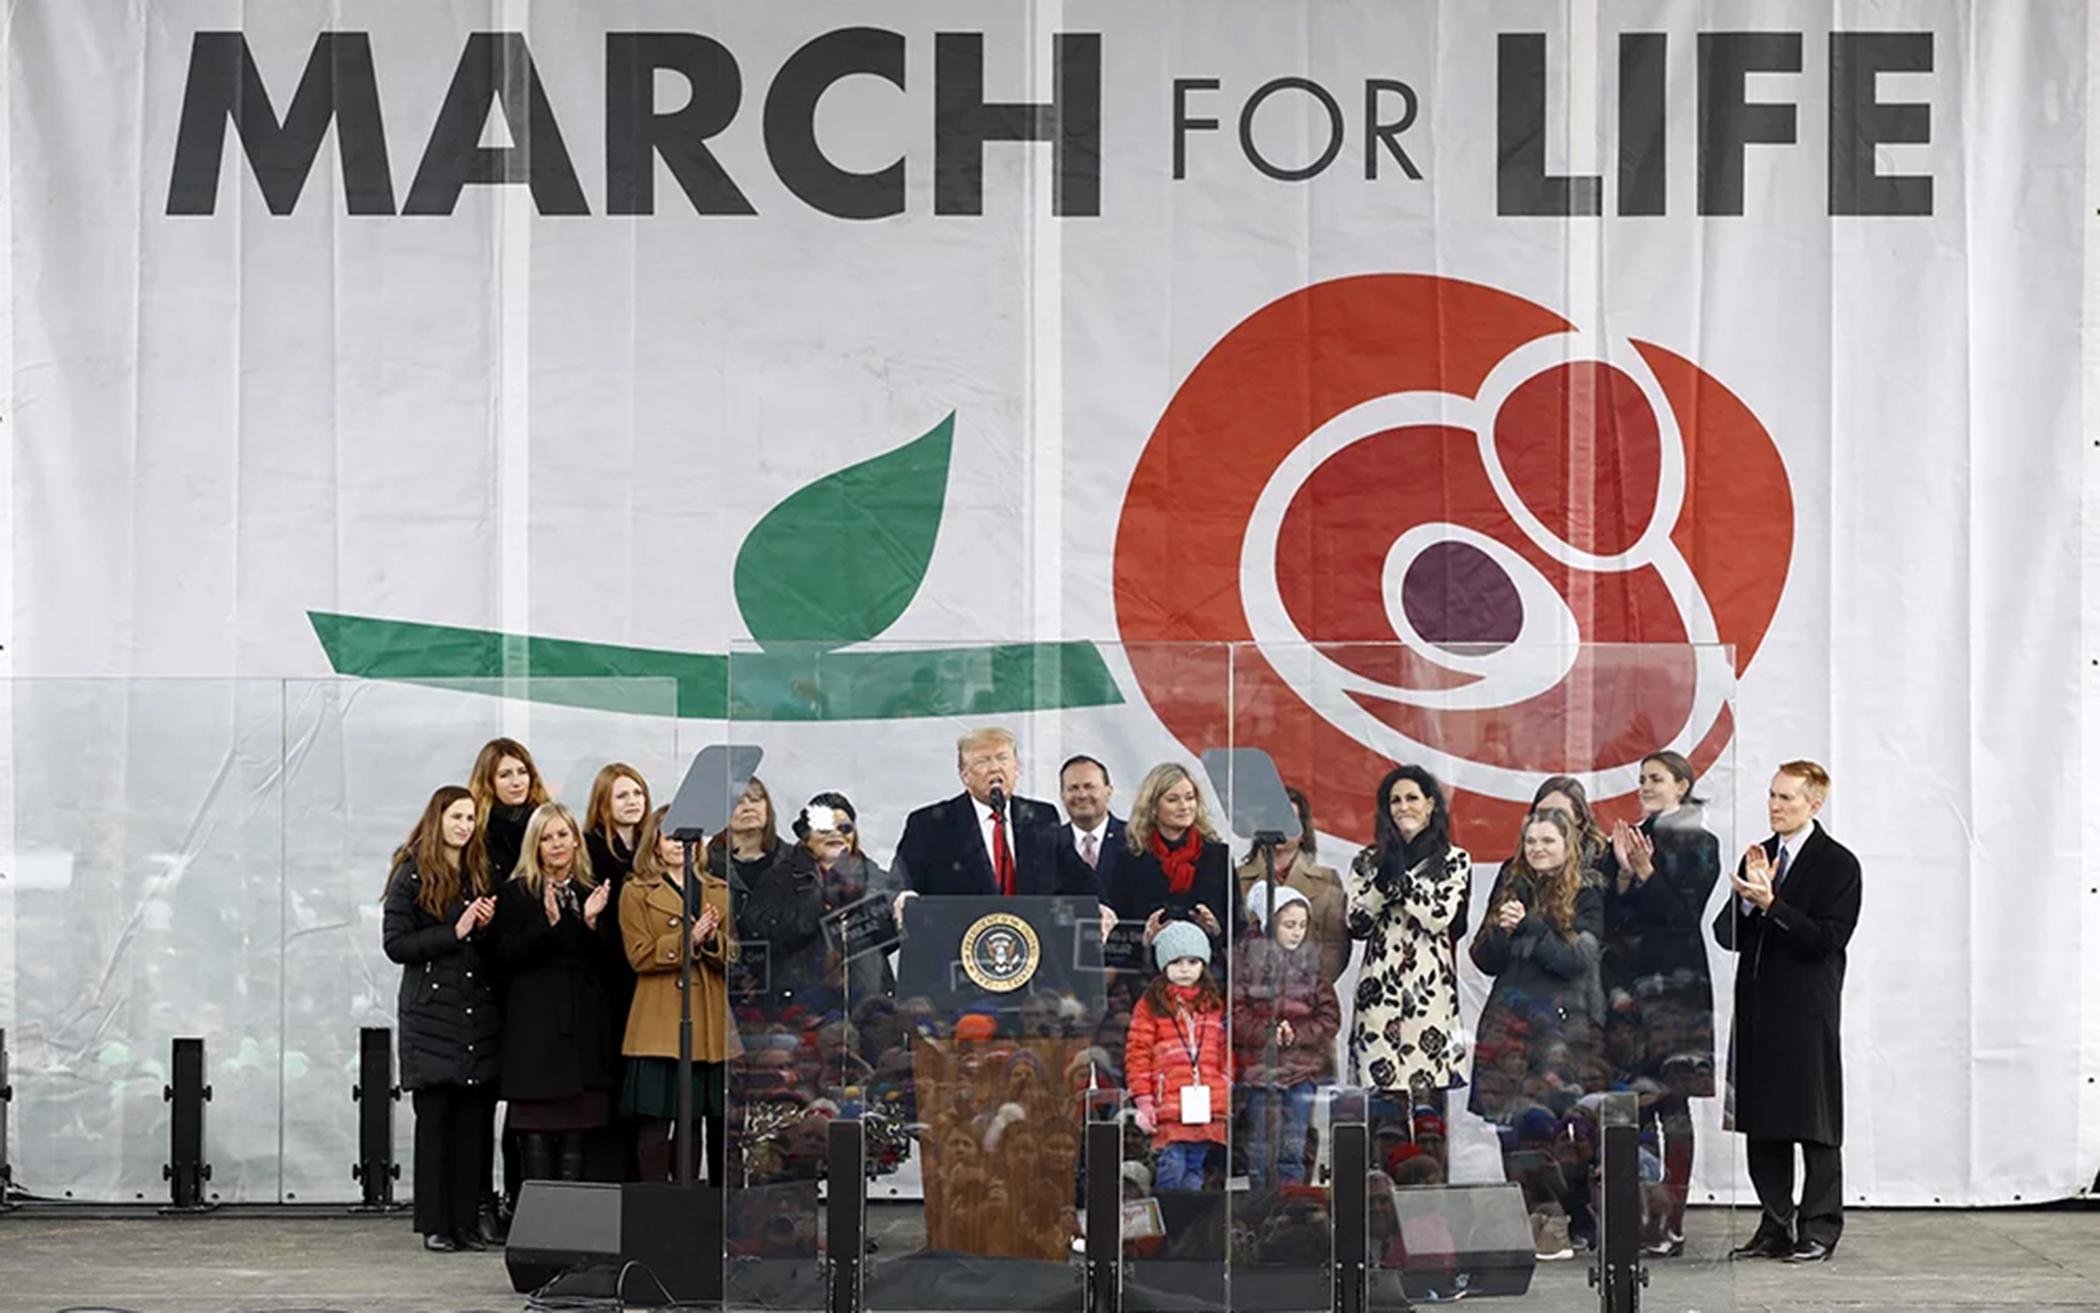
[984, 828]
[1100, 835]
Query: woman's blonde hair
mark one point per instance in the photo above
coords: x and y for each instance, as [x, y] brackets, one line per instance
[529, 852]
[1138, 831]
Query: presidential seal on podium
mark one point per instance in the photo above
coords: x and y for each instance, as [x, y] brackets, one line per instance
[1000, 952]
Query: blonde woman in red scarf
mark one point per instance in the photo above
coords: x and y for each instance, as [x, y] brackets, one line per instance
[1178, 868]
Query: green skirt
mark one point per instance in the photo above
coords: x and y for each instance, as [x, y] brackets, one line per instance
[651, 1089]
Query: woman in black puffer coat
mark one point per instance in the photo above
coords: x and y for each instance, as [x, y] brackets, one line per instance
[438, 909]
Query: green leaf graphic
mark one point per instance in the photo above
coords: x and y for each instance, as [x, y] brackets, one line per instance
[838, 561]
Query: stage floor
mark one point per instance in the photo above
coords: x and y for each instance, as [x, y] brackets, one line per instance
[1912, 1262]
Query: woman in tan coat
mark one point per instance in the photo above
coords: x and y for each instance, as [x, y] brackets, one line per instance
[652, 913]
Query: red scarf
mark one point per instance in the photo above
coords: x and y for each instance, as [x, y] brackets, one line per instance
[1179, 863]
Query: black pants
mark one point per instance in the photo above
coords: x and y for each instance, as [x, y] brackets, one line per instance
[455, 1129]
[1821, 1212]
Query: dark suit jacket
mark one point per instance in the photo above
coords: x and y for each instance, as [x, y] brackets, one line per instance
[942, 851]
[1114, 848]
[1784, 1058]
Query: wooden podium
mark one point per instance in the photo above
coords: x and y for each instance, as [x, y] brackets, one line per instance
[1014, 988]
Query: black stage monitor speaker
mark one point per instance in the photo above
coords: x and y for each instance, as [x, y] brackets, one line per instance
[672, 1233]
[1461, 1239]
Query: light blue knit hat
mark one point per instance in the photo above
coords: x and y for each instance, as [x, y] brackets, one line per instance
[1179, 939]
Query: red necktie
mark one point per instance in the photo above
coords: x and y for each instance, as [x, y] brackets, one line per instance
[1002, 856]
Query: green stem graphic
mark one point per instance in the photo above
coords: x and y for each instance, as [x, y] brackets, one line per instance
[797, 684]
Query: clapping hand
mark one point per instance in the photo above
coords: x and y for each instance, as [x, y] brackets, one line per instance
[1755, 883]
[595, 904]
[710, 920]
[551, 902]
[1283, 1033]
[1154, 924]
[1207, 919]
[476, 915]
[1635, 851]
[1510, 915]
[1108, 921]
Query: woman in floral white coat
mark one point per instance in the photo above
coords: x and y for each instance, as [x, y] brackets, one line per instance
[1407, 902]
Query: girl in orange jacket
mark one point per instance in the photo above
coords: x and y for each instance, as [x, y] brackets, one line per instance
[1177, 1061]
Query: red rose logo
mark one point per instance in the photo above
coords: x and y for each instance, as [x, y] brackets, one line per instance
[1441, 524]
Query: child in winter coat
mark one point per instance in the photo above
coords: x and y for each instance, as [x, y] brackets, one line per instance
[1176, 1059]
[1281, 997]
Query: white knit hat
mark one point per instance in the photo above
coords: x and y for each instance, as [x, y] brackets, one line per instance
[1258, 901]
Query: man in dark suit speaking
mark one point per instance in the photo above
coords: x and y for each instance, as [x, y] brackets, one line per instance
[1797, 901]
[987, 841]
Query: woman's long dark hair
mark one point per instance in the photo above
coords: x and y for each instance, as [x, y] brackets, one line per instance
[442, 878]
[1680, 767]
[1435, 837]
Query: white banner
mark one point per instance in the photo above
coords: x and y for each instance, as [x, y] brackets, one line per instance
[1692, 376]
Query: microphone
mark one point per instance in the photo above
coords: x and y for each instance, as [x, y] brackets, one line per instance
[997, 801]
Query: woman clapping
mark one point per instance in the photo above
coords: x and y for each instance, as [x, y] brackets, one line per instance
[1658, 877]
[437, 915]
[557, 1046]
[652, 924]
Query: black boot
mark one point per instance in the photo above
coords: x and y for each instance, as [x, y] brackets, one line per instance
[536, 1161]
[653, 1151]
[568, 1164]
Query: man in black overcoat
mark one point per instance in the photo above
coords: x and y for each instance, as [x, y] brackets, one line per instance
[1797, 901]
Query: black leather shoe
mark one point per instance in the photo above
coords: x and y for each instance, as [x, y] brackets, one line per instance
[470, 1241]
[440, 1244]
[1811, 1251]
[1763, 1246]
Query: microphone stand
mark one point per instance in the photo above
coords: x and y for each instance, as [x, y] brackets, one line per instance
[687, 1169]
[1266, 840]
[996, 800]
